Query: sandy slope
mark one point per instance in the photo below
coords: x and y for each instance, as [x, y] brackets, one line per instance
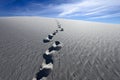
[91, 50]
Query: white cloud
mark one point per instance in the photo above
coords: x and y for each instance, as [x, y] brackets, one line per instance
[107, 16]
[89, 8]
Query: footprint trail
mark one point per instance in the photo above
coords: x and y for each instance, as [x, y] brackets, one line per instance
[48, 61]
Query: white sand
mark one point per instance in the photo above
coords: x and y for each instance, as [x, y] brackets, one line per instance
[91, 50]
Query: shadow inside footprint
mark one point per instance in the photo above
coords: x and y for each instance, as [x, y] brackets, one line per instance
[43, 73]
[46, 40]
[54, 33]
[57, 48]
[54, 48]
[59, 26]
[57, 42]
[48, 58]
[62, 29]
[50, 36]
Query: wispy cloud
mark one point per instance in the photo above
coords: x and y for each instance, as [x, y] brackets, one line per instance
[106, 16]
[80, 9]
[90, 8]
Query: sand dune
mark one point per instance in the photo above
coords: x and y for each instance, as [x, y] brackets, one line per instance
[91, 50]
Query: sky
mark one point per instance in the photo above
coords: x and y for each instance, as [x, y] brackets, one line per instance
[107, 11]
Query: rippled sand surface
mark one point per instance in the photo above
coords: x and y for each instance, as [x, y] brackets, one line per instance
[91, 50]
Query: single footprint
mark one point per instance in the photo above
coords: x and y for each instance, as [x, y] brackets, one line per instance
[48, 39]
[59, 26]
[50, 36]
[48, 58]
[57, 45]
[61, 29]
[54, 33]
[44, 71]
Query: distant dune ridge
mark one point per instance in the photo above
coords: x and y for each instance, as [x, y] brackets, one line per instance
[91, 50]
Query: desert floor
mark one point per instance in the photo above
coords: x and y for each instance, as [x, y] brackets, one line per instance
[91, 50]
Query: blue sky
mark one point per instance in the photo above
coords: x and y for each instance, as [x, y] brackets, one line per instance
[107, 11]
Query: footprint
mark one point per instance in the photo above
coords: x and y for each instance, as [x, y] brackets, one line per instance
[57, 45]
[61, 29]
[43, 73]
[59, 26]
[54, 33]
[50, 36]
[48, 39]
[48, 58]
